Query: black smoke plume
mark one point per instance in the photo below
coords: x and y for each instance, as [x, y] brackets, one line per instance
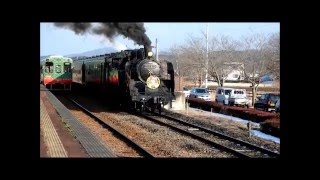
[78, 28]
[134, 31]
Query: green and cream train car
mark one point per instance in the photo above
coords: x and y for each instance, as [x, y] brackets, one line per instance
[56, 71]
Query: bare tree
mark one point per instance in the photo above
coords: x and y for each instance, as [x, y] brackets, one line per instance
[256, 59]
[191, 58]
[273, 52]
[221, 55]
[257, 54]
[175, 51]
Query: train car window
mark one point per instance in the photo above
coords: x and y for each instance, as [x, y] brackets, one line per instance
[58, 68]
[123, 62]
[115, 62]
[89, 69]
[67, 67]
[49, 63]
[49, 67]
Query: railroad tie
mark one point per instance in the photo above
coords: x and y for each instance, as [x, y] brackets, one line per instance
[51, 138]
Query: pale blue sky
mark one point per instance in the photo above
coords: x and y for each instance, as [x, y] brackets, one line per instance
[60, 41]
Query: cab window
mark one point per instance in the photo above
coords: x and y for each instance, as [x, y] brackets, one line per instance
[49, 67]
[67, 67]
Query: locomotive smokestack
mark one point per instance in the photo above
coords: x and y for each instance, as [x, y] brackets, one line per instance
[147, 49]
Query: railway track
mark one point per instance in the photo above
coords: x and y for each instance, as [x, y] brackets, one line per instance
[221, 141]
[123, 137]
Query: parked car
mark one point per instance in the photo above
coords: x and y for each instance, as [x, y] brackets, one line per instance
[278, 106]
[232, 96]
[239, 97]
[267, 102]
[222, 94]
[201, 93]
[186, 92]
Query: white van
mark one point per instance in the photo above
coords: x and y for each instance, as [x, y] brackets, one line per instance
[232, 96]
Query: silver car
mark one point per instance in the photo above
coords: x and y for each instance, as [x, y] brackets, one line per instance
[201, 93]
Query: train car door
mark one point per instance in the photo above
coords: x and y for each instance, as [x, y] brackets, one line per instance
[83, 69]
[101, 74]
[104, 73]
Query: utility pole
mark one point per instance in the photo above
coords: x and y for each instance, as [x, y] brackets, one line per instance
[178, 71]
[207, 58]
[177, 61]
[157, 50]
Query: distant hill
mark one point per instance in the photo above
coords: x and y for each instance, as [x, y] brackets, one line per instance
[42, 57]
[162, 54]
[89, 53]
[94, 52]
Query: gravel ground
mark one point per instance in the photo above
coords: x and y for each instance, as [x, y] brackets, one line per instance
[160, 141]
[229, 127]
[213, 138]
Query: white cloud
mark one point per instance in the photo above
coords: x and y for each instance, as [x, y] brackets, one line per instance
[119, 46]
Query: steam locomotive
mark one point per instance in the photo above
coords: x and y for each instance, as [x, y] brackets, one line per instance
[130, 77]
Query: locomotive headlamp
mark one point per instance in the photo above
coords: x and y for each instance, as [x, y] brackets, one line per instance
[150, 54]
[153, 82]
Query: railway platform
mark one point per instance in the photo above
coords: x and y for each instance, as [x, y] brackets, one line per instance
[62, 135]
